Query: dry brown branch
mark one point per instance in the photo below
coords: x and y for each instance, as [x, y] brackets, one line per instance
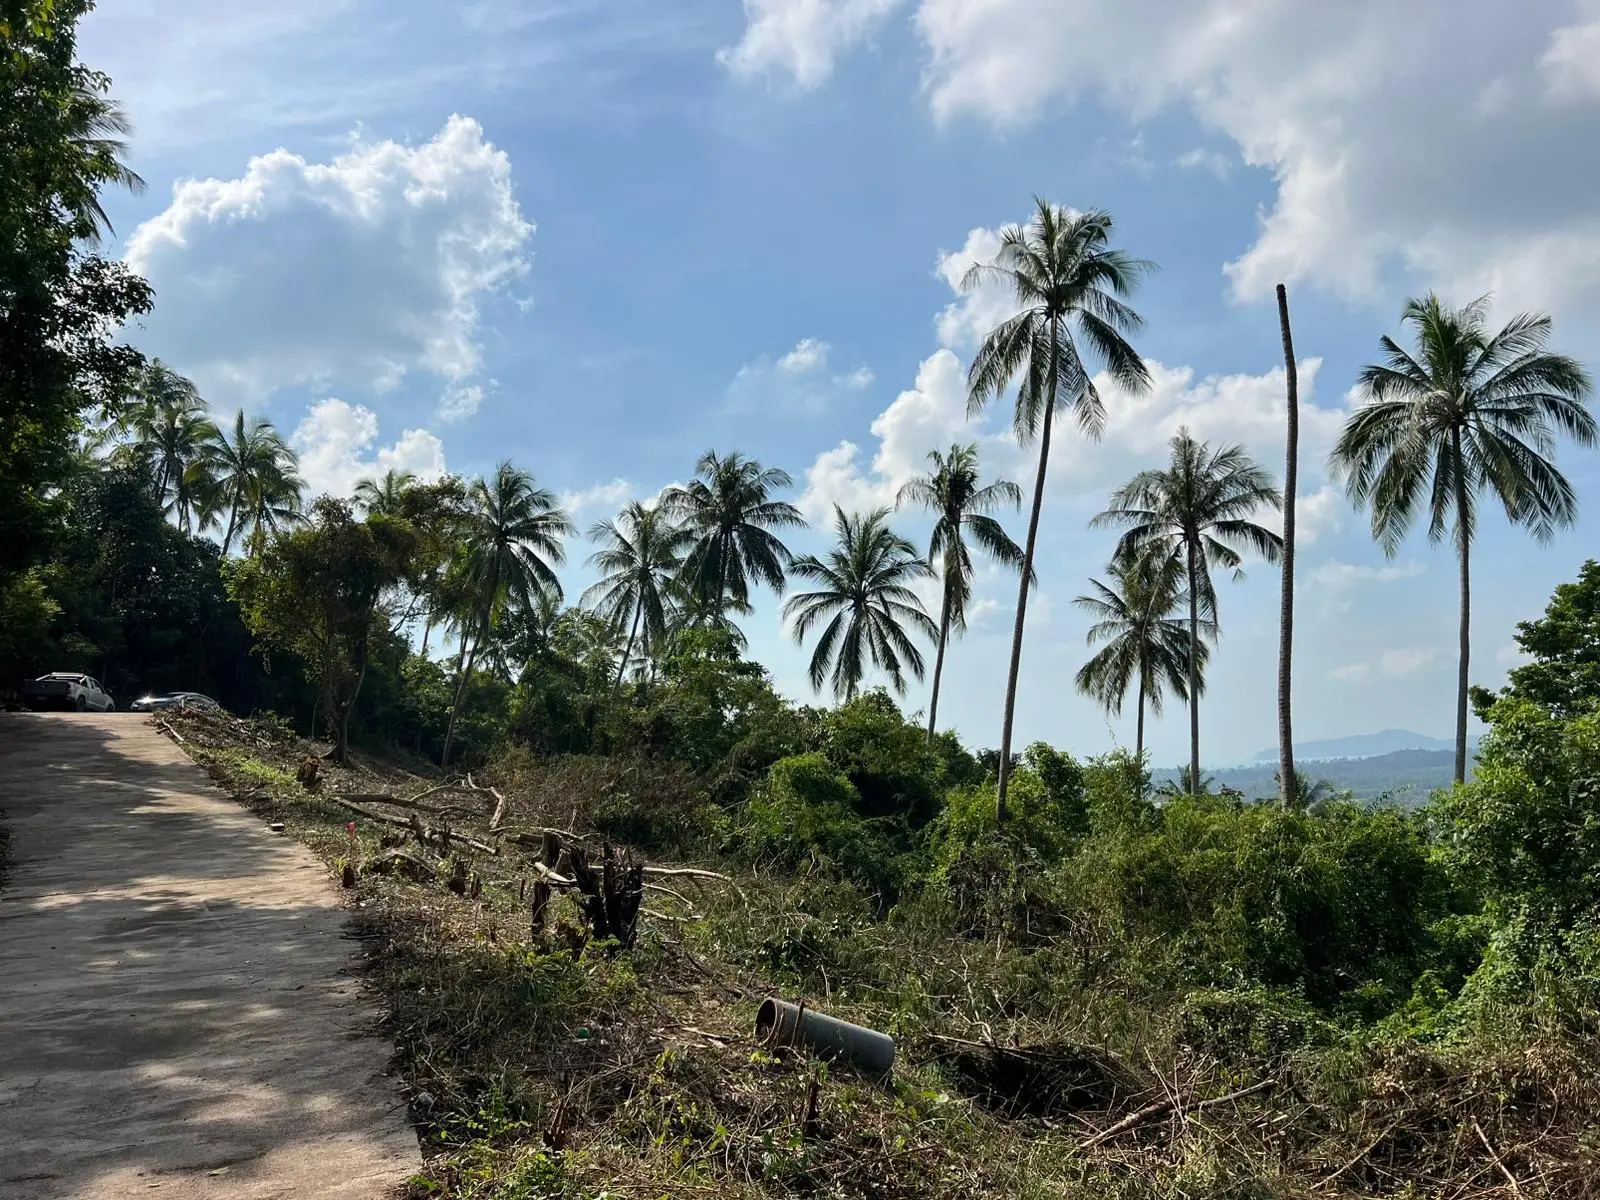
[170, 732]
[695, 873]
[500, 805]
[1166, 1104]
[1504, 1170]
[385, 798]
[423, 832]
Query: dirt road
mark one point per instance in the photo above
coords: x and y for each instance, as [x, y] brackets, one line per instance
[177, 1017]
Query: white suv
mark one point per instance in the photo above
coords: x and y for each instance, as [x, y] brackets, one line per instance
[67, 689]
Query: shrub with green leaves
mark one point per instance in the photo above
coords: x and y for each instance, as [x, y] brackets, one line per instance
[805, 816]
[1339, 907]
[1527, 832]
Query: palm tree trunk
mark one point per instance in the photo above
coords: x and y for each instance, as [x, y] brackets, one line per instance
[938, 665]
[463, 665]
[1464, 549]
[627, 650]
[1194, 672]
[1022, 604]
[427, 632]
[233, 519]
[1286, 777]
[1138, 737]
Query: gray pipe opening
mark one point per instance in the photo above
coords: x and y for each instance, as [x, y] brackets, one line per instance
[785, 1024]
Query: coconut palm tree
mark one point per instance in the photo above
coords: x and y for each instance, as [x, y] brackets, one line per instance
[170, 432]
[865, 589]
[640, 554]
[687, 610]
[513, 542]
[385, 495]
[1198, 508]
[961, 506]
[1143, 643]
[1069, 283]
[730, 511]
[254, 479]
[1470, 410]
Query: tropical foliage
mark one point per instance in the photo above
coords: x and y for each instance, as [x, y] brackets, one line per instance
[1070, 284]
[1143, 644]
[1196, 511]
[1468, 411]
[865, 598]
[961, 505]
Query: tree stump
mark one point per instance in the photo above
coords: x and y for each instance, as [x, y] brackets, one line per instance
[611, 896]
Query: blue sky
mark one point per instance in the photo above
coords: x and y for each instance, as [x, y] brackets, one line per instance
[600, 238]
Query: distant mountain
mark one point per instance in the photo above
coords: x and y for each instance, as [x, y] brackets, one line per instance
[1362, 745]
[1405, 777]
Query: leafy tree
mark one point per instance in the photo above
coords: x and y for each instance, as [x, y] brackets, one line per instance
[730, 511]
[315, 592]
[1527, 831]
[864, 589]
[640, 554]
[1197, 509]
[61, 304]
[132, 599]
[961, 506]
[1145, 645]
[439, 514]
[1564, 676]
[512, 544]
[896, 773]
[1470, 410]
[254, 479]
[1069, 282]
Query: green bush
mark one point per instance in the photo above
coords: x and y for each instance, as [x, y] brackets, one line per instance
[805, 816]
[1527, 832]
[1340, 908]
[893, 769]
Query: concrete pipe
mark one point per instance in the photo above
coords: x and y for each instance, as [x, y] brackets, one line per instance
[787, 1024]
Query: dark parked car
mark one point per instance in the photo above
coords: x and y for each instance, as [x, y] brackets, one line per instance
[172, 700]
[69, 690]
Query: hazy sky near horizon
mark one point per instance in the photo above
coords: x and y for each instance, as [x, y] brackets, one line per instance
[601, 236]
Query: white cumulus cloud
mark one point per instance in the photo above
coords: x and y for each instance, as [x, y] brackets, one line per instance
[1572, 63]
[600, 501]
[809, 354]
[927, 416]
[1380, 155]
[353, 273]
[334, 442]
[801, 38]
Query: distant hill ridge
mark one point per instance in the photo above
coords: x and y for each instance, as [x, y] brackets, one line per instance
[1362, 745]
[1406, 777]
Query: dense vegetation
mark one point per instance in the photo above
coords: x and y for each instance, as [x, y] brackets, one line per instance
[1359, 985]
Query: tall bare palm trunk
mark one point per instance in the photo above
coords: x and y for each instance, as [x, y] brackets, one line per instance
[938, 665]
[1138, 737]
[1194, 671]
[1022, 604]
[463, 669]
[627, 650]
[1463, 547]
[1286, 776]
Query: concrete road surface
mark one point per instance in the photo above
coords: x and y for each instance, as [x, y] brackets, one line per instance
[177, 1015]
